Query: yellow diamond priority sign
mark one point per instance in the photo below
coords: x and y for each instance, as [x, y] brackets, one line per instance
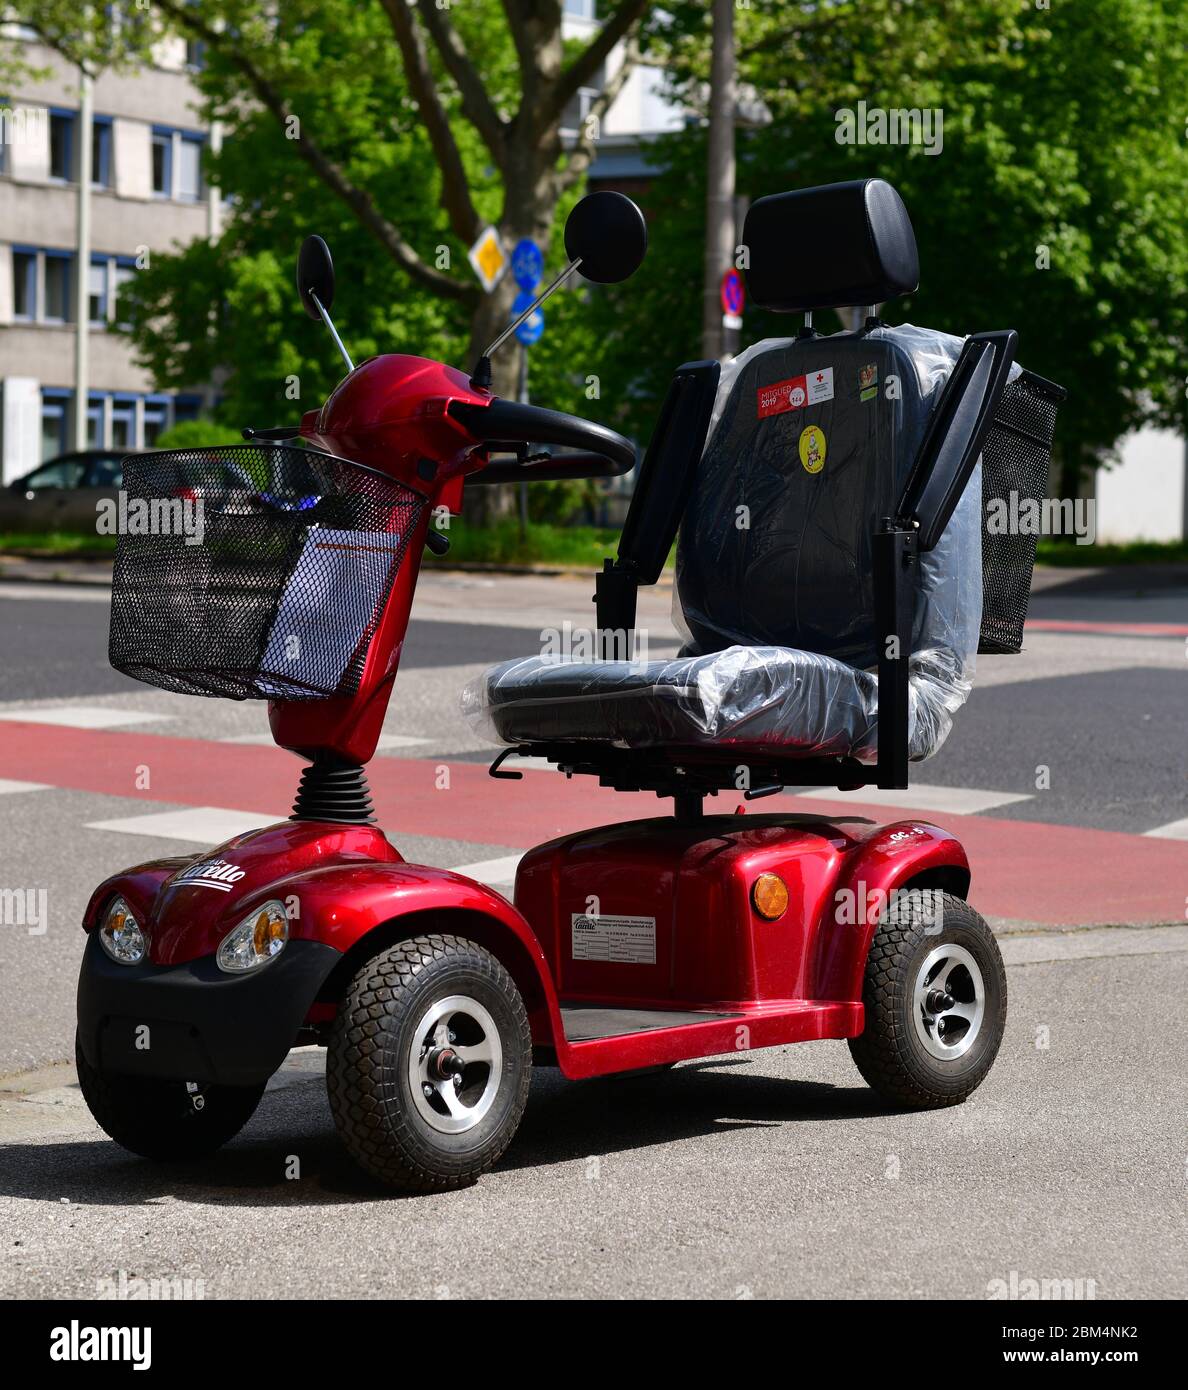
[488, 258]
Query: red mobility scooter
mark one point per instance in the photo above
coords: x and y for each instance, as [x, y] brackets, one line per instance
[835, 577]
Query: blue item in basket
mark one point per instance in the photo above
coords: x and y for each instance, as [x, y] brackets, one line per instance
[327, 608]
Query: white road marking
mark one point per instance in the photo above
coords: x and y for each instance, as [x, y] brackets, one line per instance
[495, 873]
[81, 716]
[7, 785]
[92, 593]
[385, 740]
[952, 801]
[1173, 830]
[206, 825]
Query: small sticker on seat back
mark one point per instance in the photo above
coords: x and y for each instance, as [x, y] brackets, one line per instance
[794, 393]
[781, 396]
[631, 940]
[812, 449]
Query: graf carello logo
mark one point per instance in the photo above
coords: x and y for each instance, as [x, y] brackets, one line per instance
[210, 873]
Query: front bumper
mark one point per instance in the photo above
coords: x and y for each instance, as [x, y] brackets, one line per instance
[194, 1021]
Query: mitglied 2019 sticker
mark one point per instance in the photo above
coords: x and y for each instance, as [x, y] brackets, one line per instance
[812, 449]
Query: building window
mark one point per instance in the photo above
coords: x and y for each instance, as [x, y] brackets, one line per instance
[163, 163]
[53, 423]
[57, 287]
[62, 145]
[189, 168]
[583, 9]
[177, 164]
[156, 418]
[24, 284]
[97, 292]
[101, 152]
[123, 422]
[195, 54]
[125, 268]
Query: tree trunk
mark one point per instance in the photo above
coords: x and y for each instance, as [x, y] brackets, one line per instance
[719, 184]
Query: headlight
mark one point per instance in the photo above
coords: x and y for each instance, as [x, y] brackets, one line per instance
[120, 935]
[258, 938]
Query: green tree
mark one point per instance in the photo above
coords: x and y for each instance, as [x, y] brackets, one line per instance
[1054, 206]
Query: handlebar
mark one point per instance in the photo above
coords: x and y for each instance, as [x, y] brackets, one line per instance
[600, 452]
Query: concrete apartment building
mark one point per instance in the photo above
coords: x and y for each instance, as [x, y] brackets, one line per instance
[146, 192]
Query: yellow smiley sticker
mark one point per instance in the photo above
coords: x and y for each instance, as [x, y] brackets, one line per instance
[812, 449]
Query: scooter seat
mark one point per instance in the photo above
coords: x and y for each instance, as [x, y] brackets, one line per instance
[770, 699]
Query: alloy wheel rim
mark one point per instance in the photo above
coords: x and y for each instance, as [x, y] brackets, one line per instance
[455, 1064]
[949, 1002]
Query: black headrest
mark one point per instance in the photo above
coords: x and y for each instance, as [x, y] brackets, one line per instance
[830, 247]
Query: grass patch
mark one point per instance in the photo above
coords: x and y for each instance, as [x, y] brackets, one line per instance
[540, 544]
[1062, 553]
[81, 545]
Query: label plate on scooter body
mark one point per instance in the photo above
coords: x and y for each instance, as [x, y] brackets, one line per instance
[631, 940]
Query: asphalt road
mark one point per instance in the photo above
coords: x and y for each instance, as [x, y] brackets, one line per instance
[773, 1175]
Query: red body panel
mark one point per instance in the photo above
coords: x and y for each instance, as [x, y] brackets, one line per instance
[391, 414]
[786, 981]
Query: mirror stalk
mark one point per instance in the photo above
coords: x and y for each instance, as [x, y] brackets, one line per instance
[481, 377]
[326, 319]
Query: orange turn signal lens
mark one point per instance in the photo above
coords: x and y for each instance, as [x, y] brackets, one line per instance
[769, 894]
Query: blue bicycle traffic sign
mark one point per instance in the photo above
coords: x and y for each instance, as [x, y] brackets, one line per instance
[527, 264]
[530, 330]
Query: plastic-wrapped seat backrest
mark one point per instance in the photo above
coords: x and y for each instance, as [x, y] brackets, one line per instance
[811, 445]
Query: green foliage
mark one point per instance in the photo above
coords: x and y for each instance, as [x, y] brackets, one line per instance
[1060, 132]
[198, 434]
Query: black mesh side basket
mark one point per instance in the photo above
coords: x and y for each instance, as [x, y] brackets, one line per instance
[254, 571]
[1016, 458]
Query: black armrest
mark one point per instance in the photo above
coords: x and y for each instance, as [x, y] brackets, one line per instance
[661, 495]
[953, 440]
[895, 560]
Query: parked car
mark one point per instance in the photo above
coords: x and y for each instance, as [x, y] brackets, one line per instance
[60, 495]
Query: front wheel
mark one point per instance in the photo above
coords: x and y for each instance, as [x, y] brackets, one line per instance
[935, 998]
[429, 1063]
[164, 1119]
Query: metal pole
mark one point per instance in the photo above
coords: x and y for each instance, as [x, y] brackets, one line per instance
[719, 187]
[523, 398]
[82, 286]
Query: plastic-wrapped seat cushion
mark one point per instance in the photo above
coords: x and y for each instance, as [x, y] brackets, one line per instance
[747, 700]
[810, 446]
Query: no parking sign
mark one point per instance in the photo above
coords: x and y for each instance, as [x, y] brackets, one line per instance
[733, 299]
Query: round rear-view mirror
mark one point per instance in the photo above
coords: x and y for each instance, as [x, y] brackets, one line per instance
[608, 233]
[315, 275]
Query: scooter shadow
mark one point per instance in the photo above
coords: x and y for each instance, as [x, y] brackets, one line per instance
[290, 1155]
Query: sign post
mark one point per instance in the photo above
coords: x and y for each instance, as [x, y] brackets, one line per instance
[733, 298]
[527, 264]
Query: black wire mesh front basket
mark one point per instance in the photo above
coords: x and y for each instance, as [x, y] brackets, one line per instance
[1016, 461]
[255, 572]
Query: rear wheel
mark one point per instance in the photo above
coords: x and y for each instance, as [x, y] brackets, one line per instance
[429, 1063]
[165, 1119]
[935, 997]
